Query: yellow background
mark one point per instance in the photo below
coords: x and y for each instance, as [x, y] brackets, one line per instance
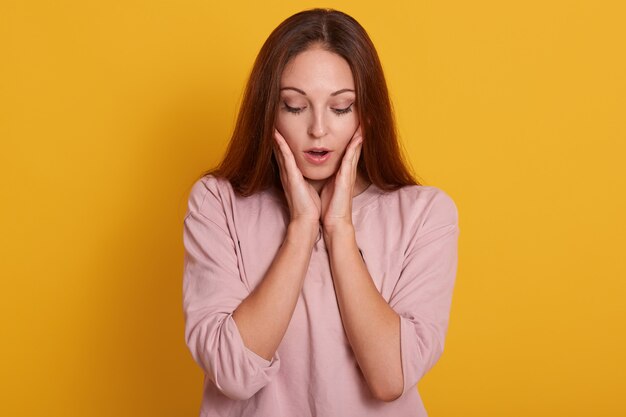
[110, 110]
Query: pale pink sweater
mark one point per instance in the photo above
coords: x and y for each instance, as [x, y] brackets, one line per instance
[408, 240]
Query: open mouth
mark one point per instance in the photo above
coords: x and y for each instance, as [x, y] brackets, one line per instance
[317, 156]
[317, 153]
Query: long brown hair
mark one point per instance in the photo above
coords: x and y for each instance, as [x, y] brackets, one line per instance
[249, 162]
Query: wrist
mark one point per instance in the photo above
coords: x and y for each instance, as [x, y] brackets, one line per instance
[302, 231]
[341, 233]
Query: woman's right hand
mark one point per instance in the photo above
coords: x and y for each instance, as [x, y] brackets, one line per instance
[304, 202]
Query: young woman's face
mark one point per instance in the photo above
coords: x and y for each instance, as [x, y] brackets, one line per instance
[317, 114]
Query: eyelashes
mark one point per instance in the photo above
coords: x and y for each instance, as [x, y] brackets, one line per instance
[344, 110]
[298, 110]
[294, 110]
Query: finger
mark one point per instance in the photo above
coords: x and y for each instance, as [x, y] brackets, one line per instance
[352, 158]
[355, 161]
[355, 140]
[280, 158]
[357, 154]
[345, 173]
[289, 161]
[279, 142]
[358, 133]
[277, 154]
[283, 151]
[353, 149]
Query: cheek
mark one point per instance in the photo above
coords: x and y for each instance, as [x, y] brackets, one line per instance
[280, 123]
[290, 128]
[345, 127]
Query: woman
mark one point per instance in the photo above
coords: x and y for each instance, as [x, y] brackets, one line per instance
[318, 273]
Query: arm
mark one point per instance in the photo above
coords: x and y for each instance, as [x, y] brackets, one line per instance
[423, 294]
[216, 302]
[397, 343]
[372, 327]
[394, 343]
[230, 331]
[263, 317]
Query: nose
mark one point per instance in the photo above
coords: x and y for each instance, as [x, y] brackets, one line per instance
[317, 126]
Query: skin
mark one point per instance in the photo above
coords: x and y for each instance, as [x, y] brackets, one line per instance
[318, 110]
[318, 83]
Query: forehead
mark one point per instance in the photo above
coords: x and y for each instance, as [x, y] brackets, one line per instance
[317, 70]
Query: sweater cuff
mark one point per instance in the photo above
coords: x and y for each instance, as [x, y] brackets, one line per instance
[259, 360]
[254, 357]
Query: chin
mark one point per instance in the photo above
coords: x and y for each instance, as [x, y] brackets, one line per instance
[319, 174]
[317, 177]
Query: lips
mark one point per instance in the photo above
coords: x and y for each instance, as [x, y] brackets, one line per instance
[318, 151]
[317, 155]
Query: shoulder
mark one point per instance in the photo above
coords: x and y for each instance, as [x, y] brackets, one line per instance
[209, 192]
[435, 201]
[423, 203]
[211, 196]
[417, 197]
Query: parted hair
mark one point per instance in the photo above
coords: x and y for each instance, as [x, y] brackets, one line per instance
[249, 163]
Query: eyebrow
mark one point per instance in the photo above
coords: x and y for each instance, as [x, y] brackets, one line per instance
[343, 90]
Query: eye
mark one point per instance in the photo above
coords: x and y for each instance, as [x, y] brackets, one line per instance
[345, 110]
[294, 110]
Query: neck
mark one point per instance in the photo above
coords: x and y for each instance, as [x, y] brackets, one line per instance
[360, 185]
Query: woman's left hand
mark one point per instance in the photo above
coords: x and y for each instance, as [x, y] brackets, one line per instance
[336, 196]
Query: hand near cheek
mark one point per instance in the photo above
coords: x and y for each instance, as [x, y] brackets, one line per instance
[304, 202]
[337, 193]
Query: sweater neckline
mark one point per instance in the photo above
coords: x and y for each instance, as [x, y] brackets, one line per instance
[370, 193]
[362, 199]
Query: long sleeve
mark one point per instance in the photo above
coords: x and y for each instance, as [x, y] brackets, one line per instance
[212, 290]
[423, 294]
